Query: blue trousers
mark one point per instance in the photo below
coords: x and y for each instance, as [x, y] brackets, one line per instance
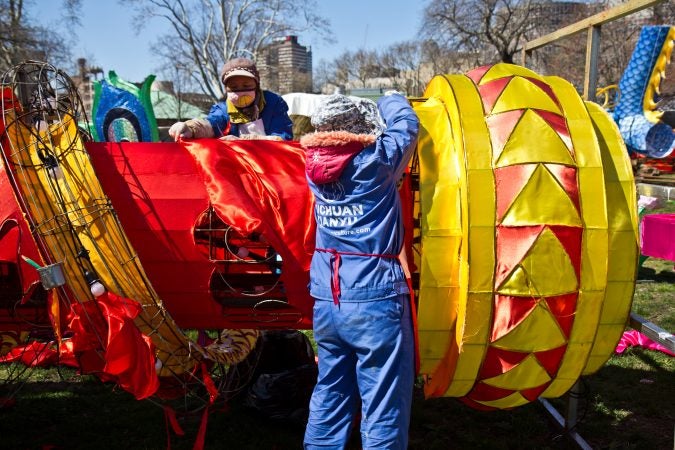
[366, 352]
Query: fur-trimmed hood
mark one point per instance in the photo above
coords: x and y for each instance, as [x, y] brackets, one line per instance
[329, 152]
[335, 138]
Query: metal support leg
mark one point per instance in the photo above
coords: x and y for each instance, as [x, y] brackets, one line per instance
[572, 406]
[568, 423]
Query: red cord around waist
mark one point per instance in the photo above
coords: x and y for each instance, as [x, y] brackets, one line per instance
[335, 267]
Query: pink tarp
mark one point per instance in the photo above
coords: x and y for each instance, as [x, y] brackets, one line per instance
[633, 338]
[658, 236]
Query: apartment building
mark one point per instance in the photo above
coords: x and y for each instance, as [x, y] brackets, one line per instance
[285, 66]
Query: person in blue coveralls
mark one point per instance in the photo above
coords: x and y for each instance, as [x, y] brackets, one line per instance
[362, 312]
[248, 112]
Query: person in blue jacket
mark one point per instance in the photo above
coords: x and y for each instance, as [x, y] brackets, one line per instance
[362, 313]
[248, 112]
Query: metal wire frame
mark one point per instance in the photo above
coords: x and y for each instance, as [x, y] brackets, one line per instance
[39, 151]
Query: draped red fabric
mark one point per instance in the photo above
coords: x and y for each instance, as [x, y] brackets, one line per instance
[32, 354]
[405, 191]
[260, 186]
[39, 354]
[105, 328]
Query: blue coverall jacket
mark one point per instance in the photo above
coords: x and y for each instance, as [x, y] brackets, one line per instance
[274, 116]
[361, 213]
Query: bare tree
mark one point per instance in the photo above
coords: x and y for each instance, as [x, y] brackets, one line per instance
[22, 39]
[206, 33]
[324, 75]
[566, 57]
[177, 89]
[472, 25]
[663, 14]
[357, 66]
[406, 60]
[442, 60]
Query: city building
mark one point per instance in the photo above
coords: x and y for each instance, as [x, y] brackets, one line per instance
[285, 66]
[84, 82]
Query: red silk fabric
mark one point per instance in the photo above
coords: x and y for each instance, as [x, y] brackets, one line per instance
[260, 186]
[37, 354]
[107, 341]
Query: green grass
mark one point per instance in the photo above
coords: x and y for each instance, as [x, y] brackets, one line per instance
[656, 279]
[627, 404]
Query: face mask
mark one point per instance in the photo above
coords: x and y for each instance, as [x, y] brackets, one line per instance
[241, 99]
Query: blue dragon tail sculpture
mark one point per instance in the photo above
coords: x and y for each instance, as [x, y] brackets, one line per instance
[645, 129]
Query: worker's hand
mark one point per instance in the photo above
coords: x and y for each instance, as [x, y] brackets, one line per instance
[180, 130]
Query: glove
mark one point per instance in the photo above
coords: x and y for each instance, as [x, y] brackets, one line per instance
[180, 130]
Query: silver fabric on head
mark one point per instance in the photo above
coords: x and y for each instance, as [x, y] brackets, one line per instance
[338, 112]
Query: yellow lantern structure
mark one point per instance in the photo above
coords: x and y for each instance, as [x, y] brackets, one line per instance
[528, 236]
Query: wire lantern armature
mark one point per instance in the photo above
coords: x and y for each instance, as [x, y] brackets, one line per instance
[76, 228]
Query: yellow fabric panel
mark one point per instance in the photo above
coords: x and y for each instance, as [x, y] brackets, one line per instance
[569, 371]
[527, 374]
[537, 332]
[442, 234]
[580, 343]
[481, 200]
[542, 200]
[440, 262]
[434, 352]
[460, 387]
[546, 271]
[593, 200]
[533, 140]
[439, 180]
[594, 260]
[589, 307]
[511, 401]
[482, 260]
[603, 349]
[517, 283]
[481, 195]
[623, 244]
[549, 267]
[466, 370]
[520, 94]
[507, 70]
[478, 304]
[615, 310]
[439, 314]
[576, 116]
[616, 166]
[443, 218]
[623, 241]
[619, 214]
[600, 360]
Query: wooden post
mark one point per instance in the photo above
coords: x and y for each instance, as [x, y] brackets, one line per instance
[590, 23]
[591, 72]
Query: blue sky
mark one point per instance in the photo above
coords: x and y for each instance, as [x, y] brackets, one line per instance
[108, 37]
